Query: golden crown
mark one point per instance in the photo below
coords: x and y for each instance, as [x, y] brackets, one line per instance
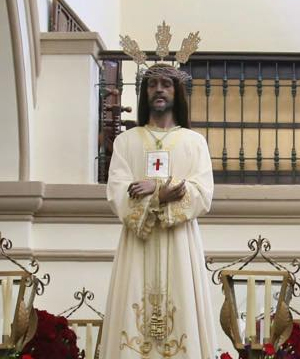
[163, 38]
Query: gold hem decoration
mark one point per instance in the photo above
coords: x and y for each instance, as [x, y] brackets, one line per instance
[136, 344]
[166, 347]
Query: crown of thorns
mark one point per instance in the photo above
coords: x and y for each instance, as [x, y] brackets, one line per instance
[163, 38]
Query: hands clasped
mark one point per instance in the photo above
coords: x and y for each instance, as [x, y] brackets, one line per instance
[141, 188]
[167, 192]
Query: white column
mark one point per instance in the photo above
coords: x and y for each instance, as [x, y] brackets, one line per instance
[267, 308]
[251, 308]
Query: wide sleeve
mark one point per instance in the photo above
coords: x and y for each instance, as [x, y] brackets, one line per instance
[137, 214]
[199, 188]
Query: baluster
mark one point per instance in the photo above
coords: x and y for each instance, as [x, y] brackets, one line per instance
[189, 90]
[207, 94]
[259, 87]
[294, 153]
[225, 91]
[102, 126]
[120, 83]
[68, 25]
[137, 84]
[242, 93]
[276, 151]
[89, 341]
[111, 126]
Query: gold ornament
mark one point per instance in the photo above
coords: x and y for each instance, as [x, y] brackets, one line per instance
[164, 343]
[159, 141]
[158, 328]
[163, 38]
[188, 46]
[131, 48]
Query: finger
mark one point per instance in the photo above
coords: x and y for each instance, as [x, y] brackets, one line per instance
[182, 188]
[183, 191]
[131, 184]
[176, 190]
[139, 190]
[177, 197]
[180, 196]
[168, 181]
[179, 185]
[131, 192]
[180, 192]
[134, 191]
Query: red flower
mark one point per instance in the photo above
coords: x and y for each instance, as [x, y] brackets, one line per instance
[291, 347]
[269, 349]
[226, 356]
[53, 339]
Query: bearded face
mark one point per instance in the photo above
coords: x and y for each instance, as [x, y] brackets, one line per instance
[160, 92]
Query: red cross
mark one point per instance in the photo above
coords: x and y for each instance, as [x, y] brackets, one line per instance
[157, 164]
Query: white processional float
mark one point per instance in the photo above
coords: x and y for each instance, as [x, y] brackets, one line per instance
[256, 307]
[91, 350]
[18, 291]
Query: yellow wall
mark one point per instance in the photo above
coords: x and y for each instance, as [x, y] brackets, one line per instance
[224, 25]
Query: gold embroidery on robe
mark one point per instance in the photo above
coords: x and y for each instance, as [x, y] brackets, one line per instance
[142, 344]
[143, 214]
[173, 213]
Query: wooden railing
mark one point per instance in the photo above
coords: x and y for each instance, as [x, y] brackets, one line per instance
[245, 104]
[64, 19]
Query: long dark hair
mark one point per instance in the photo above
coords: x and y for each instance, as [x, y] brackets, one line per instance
[180, 109]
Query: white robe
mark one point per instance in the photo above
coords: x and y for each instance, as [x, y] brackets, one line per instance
[160, 249]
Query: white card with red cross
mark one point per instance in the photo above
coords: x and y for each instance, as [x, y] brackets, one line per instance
[157, 164]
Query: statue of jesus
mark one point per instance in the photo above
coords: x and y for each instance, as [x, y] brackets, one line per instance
[160, 181]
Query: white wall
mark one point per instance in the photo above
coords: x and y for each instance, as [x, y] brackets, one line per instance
[101, 16]
[9, 137]
[66, 125]
[232, 25]
[44, 14]
[75, 236]
[28, 74]
[19, 232]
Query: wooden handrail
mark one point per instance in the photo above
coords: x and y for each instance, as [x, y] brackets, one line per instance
[74, 21]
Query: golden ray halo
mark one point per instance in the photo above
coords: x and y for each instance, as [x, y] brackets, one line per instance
[163, 38]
